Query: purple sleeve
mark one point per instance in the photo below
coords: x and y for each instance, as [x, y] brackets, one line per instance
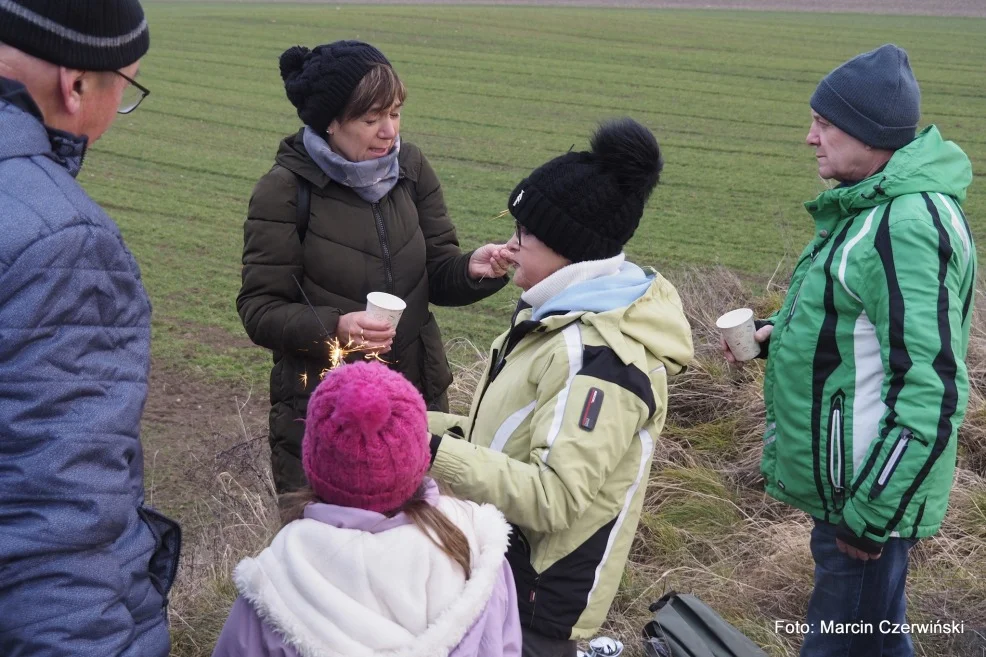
[511, 614]
[245, 635]
[497, 630]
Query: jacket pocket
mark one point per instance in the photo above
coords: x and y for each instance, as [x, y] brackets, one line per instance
[436, 375]
[887, 471]
[163, 564]
[837, 448]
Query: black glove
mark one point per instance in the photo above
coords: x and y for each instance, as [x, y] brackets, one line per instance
[764, 346]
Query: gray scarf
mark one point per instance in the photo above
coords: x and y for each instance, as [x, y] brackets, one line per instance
[371, 179]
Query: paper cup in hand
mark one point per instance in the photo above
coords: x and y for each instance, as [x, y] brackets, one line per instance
[381, 305]
[737, 330]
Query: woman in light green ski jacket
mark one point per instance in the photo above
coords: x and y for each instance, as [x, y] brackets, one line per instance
[561, 431]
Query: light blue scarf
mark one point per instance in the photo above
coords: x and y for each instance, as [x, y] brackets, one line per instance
[371, 179]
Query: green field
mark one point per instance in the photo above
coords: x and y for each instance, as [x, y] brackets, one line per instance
[495, 92]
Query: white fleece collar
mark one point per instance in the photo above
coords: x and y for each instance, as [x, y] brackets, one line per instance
[567, 276]
[334, 592]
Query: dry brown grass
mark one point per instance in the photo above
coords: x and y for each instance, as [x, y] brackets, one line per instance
[237, 518]
[706, 528]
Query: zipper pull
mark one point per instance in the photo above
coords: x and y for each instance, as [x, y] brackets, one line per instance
[888, 469]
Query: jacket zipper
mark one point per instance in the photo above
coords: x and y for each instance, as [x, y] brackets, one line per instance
[388, 266]
[533, 599]
[837, 467]
[801, 283]
[814, 253]
[888, 468]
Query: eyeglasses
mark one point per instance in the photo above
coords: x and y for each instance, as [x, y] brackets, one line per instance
[134, 93]
[521, 231]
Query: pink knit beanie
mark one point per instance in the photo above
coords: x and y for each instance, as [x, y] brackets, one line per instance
[366, 438]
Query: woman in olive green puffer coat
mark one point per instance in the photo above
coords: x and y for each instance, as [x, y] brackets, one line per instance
[377, 222]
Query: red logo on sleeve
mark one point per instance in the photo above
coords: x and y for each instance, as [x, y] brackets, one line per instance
[590, 409]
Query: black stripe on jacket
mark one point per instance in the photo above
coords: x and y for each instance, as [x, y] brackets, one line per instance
[900, 360]
[603, 363]
[826, 360]
[944, 366]
[552, 602]
[972, 249]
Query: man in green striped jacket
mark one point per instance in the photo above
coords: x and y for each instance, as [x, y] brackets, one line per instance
[866, 381]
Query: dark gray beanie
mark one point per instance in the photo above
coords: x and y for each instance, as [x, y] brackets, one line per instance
[90, 35]
[873, 97]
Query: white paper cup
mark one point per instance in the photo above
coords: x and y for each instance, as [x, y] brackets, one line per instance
[737, 329]
[381, 305]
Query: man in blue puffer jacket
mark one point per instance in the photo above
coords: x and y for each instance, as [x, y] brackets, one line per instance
[84, 567]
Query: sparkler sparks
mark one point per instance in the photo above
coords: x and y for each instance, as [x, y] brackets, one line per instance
[337, 356]
[337, 351]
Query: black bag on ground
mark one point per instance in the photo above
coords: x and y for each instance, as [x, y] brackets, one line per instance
[684, 626]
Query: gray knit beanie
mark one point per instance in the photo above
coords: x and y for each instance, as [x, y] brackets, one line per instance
[873, 97]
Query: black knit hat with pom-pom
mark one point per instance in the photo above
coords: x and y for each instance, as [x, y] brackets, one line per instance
[320, 81]
[586, 205]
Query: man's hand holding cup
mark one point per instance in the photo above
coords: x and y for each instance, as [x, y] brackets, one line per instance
[739, 339]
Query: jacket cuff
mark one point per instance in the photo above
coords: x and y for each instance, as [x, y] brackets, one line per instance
[764, 346]
[858, 526]
[846, 535]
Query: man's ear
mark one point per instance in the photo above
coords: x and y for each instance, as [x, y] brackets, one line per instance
[72, 84]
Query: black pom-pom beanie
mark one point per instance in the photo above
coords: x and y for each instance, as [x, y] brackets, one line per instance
[586, 205]
[319, 82]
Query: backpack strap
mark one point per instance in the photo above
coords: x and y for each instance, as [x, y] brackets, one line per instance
[303, 207]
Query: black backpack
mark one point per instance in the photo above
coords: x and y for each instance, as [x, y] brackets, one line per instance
[684, 626]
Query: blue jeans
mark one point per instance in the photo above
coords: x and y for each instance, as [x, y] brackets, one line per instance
[852, 597]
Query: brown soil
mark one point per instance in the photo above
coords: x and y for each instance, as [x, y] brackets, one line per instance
[192, 430]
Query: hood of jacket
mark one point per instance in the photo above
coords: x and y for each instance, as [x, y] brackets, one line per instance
[632, 309]
[927, 164]
[339, 590]
[24, 134]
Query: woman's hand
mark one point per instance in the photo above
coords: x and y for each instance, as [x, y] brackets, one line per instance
[490, 261]
[365, 332]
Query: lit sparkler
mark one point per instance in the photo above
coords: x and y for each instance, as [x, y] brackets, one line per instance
[337, 351]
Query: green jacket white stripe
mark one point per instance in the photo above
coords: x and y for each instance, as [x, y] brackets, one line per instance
[866, 382]
[560, 438]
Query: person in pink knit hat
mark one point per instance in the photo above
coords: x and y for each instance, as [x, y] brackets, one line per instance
[374, 560]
